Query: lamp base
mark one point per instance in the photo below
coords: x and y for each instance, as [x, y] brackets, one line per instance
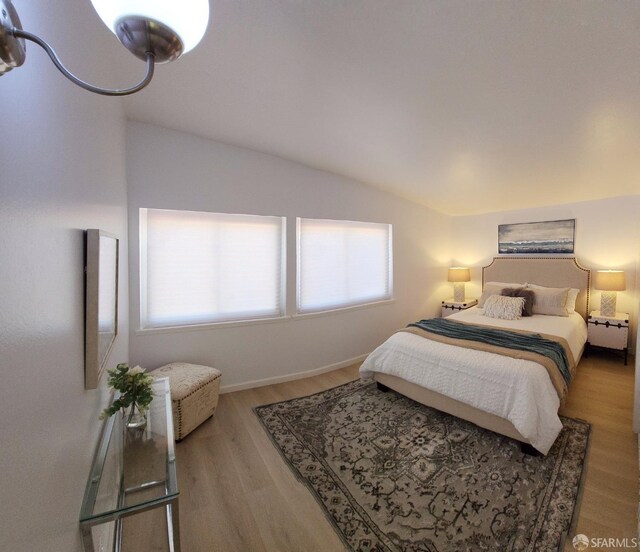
[458, 292]
[12, 48]
[608, 303]
[141, 36]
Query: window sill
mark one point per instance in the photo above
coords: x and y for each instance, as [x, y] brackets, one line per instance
[254, 321]
[210, 325]
[338, 310]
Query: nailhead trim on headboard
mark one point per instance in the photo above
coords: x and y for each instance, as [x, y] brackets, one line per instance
[549, 261]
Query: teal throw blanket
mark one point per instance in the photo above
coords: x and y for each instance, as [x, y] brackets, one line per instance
[534, 343]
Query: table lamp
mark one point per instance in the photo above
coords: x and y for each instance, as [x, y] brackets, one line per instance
[459, 275]
[609, 282]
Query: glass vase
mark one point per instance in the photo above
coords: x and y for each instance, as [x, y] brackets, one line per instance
[134, 419]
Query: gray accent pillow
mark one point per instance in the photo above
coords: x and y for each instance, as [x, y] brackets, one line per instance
[494, 288]
[529, 297]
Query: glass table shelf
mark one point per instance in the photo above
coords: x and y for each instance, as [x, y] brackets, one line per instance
[134, 470]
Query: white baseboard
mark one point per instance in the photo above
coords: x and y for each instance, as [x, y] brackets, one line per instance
[290, 377]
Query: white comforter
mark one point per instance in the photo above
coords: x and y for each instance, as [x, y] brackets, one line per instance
[518, 390]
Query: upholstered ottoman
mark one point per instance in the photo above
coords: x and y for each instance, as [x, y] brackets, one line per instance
[194, 394]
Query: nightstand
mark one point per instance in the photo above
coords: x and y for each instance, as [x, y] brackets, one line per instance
[611, 332]
[450, 306]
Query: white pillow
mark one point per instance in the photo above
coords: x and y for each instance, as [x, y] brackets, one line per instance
[570, 300]
[550, 301]
[506, 308]
[495, 288]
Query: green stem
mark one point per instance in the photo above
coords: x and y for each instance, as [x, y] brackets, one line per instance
[131, 412]
[133, 403]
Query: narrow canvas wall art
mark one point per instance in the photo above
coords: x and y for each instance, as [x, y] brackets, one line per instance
[551, 237]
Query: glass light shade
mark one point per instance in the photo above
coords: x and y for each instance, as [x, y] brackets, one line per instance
[187, 18]
[459, 274]
[610, 280]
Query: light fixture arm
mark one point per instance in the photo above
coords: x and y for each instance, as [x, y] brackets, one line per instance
[155, 31]
[150, 58]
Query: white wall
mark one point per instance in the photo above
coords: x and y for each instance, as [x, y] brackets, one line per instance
[61, 171]
[172, 170]
[607, 236]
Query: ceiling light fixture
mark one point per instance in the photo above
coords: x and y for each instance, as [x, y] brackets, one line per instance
[156, 31]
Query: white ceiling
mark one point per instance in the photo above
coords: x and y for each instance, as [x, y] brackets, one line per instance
[466, 106]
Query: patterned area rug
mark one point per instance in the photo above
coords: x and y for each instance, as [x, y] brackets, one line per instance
[394, 475]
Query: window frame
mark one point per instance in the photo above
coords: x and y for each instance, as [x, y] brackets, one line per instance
[143, 324]
[389, 298]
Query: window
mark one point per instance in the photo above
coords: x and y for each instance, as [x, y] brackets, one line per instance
[343, 263]
[198, 268]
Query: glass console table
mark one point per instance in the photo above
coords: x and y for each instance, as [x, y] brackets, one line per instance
[134, 471]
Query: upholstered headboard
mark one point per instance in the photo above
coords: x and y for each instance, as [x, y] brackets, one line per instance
[544, 271]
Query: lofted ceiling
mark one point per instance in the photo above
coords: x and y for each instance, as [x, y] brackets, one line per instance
[466, 106]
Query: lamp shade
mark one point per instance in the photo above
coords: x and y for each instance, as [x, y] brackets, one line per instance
[609, 280]
[459, 274]
[187, 18]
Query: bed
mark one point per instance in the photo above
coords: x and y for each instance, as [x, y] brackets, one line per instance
[511, 396]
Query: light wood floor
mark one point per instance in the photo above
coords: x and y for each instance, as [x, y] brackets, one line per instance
[602, 394]
[237, 494]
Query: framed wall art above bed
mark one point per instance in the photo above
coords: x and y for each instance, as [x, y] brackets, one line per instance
[537, 238]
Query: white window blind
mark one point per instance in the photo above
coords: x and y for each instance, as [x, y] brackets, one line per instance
[198, 268]
[343, 263]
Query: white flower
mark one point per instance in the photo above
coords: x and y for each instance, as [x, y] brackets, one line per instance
[136, 370]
